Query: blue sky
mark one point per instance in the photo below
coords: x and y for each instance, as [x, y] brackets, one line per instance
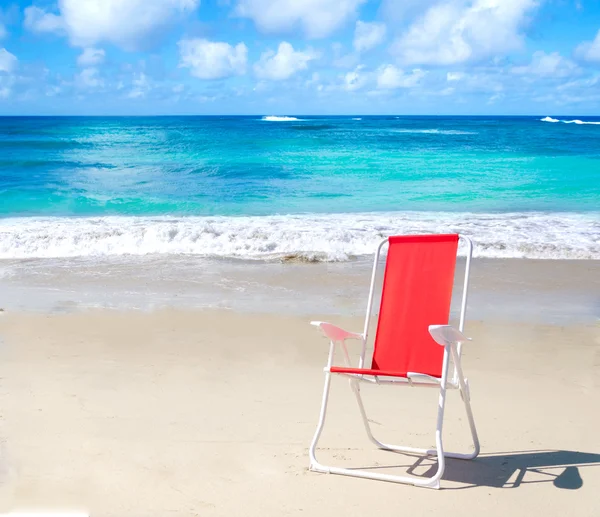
[300, 56]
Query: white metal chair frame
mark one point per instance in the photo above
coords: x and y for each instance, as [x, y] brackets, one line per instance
[445, 335]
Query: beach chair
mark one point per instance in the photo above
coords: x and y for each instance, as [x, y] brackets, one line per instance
[414, 345]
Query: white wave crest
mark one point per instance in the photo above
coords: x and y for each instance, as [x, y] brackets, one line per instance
[575, 121]
[435, 131]
[327, 237]
[581, 122]
[357, 118]
[274, 118]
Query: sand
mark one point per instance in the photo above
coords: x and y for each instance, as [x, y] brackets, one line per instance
[181, 412]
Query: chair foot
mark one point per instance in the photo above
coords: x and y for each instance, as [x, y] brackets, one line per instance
[317, 467]
[435, 485]
[407, 480]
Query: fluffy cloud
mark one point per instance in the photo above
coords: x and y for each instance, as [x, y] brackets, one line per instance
[589, 50]
[317, 18]
[91, 56]
[368, 35]
[355, 80]
[456, 31]
[88, 79]
[390, 77]
[8, 61]
[141, 86]
[547, 65]
[284, 63]
[128, 24]
[38, 20]
[211, 59]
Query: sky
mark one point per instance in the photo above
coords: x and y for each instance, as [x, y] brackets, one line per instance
[285, 57]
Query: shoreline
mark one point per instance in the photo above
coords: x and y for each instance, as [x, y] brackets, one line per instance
[311, 236]
[547, 291]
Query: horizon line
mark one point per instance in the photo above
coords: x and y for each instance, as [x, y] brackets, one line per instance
[293, 115]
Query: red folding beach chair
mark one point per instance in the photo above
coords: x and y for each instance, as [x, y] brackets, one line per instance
[414, 344]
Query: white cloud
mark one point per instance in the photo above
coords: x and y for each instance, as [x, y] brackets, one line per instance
[355, 80]
[284, 63]
[140, 84]
[38, 20]
[314, 81]
[211, 59]
[589, 50]
[128, 24]
[547, 65]
[91, 56]
[390, 77]
[317, 18]
[8, 61]
[456, 31]
[454, 76]
[89, 79]
[495, 97]
[584, 84]
[368, 35]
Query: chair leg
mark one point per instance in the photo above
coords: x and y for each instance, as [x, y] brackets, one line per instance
[356, 389]
[432, 482]
[466, 397]
[381, 445]
[314, 464]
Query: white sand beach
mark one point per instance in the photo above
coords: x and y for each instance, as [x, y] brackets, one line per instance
[210, 412]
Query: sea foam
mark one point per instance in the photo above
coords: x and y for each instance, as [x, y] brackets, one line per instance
[330, 237]
[273, 118]
[575, 121]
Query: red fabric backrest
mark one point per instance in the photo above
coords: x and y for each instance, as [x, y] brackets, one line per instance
[417, 292]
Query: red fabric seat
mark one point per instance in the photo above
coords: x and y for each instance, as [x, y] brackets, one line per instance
[417, 292]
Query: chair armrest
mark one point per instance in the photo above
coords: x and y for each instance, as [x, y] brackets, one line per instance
[335, 333]
[447, 335]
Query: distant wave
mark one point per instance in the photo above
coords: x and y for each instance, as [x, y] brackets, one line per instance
[273, 118]
[435, 131]
[311, 237]
[357, 118]
[576, 121]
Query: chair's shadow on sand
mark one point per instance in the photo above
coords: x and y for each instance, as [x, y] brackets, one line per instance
[511, 470]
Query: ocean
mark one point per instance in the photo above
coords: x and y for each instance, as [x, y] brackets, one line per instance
[309, 188]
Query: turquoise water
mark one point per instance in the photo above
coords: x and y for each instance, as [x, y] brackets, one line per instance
[257, 187]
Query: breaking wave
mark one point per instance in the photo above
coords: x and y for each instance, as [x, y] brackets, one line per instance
[576, 121]
[273, 118]
[311, 237]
